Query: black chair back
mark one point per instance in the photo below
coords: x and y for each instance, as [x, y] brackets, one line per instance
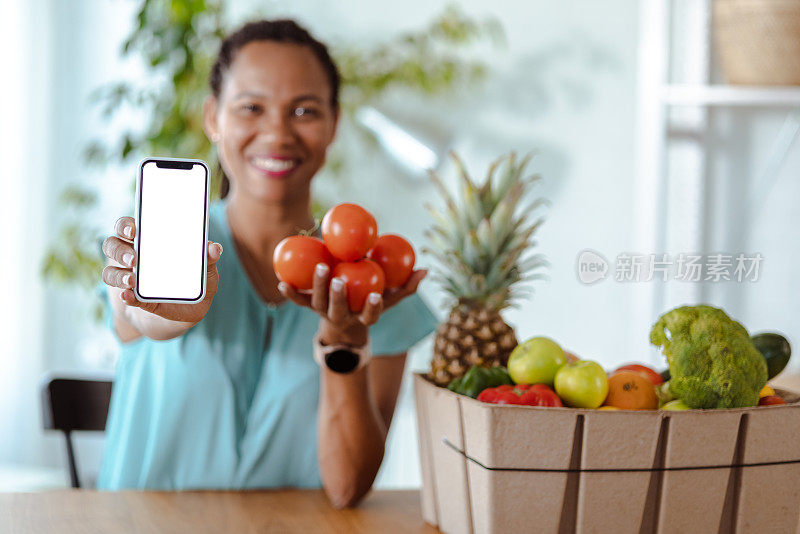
[75, 404]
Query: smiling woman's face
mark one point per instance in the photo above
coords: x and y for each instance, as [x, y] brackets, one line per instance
[273, 120]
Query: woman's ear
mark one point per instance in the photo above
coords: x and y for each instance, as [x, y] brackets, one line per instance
[210, 126]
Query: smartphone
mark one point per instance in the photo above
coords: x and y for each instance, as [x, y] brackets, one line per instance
[172, 201]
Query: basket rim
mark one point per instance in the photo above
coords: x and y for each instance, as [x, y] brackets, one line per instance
[781, 392]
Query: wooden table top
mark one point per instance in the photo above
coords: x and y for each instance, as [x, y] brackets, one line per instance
[73, 511]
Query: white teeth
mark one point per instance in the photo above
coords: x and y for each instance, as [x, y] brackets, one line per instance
[273, 165]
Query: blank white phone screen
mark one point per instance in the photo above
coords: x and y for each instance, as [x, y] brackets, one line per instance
[172, 247]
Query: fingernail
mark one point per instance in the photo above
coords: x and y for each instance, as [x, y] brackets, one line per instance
[374, 298]
[121, 297]
[128, 231]
[337, 284]
[322, 269]
[217, 250]
[127, 258]
[127, 279]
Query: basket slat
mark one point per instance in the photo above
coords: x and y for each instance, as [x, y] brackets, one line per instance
[773, 435]
[617, 440]
[770, 495]
[693, 501]
[515, 501]
[449, 467]
[770, 499]
[427, 493]
[496, 439]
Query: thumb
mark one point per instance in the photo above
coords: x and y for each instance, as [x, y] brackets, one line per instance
[214, 253]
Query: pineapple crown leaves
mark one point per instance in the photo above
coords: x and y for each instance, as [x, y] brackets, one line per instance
[480, 239]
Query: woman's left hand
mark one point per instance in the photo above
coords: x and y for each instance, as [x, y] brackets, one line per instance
[339, 324]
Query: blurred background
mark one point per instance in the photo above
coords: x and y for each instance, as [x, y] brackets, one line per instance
[664, 127]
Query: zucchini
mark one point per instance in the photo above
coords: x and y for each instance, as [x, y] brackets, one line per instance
[776, 351]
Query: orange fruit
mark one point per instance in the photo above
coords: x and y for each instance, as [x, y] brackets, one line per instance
[631, 391]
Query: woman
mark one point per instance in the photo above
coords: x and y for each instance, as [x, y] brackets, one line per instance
[225, 393]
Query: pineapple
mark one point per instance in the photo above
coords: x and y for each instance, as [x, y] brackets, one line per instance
[479, 246]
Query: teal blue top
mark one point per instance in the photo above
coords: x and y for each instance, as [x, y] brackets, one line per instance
[232, 403]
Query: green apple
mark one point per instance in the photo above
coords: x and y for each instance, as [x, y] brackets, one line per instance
[675, 406]
[582, 384]
[536, 361]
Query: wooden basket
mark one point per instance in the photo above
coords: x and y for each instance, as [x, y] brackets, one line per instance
[496, 469]
[758, 41]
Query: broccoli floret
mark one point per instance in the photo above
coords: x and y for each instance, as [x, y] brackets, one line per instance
[712, 362]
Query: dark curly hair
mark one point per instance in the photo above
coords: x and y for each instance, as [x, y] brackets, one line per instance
[281, 31]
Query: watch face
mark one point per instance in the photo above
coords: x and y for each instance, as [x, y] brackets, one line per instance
[341, 361]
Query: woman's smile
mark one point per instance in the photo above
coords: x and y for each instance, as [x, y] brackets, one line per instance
[274, 166]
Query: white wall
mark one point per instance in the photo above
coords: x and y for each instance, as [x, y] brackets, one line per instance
[749, 199]
[756, 213]
[74, 50]
[87, 37]
[25, 96]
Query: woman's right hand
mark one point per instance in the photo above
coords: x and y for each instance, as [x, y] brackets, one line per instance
[119, 274]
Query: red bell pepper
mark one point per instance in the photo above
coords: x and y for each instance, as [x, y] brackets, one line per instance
[521, 394]
[770, 400]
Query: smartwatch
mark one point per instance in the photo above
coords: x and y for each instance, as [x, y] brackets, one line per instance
[341, 358]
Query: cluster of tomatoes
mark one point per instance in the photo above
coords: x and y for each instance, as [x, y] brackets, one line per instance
[352, 250]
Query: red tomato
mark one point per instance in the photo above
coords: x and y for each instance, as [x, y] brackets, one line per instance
[521, 394]
[538, 395]
[653, 376]
[361, 278]
[296, 257]
[349, 231]
[490, 394]
[770, 400]
[395, 255]
[506, 397]
[549, 397]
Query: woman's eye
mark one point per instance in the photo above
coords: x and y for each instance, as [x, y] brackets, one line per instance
[250, 108]
[305, 112]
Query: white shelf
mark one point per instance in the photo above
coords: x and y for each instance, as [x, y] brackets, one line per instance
[729, 95]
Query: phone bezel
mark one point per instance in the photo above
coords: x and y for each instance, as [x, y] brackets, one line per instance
[172, 162]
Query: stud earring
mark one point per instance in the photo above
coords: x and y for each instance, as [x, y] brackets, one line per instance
[215, 138]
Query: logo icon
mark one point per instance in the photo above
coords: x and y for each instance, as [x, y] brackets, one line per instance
[592, 266]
